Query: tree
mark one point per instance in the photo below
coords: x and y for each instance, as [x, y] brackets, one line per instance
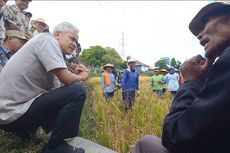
[93, 55]
[173, 62]
[163, 63]
[98, 56]
[178, 64]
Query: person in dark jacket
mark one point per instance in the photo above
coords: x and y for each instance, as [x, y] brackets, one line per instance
[199, 118]
[130, 85]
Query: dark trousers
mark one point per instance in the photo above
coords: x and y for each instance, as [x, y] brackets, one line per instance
[58, 111]
[128, 98]
[108, 96]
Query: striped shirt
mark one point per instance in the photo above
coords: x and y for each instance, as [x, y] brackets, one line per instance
[27, 75]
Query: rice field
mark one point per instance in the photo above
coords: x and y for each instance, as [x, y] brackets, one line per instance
[110, 126]
[106, 123]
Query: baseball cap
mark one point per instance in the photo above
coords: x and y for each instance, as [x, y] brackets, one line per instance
[211, 10]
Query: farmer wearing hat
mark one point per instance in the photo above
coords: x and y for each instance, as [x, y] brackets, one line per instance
[198, 121]
[40, 25]
[108, 81]
[165, 86]
[172, 80]
[12, 43]
[130, 84]
[157, 83]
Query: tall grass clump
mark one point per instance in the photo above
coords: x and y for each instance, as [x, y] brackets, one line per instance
[115, 129]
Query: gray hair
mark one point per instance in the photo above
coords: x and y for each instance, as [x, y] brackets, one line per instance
[65, 27]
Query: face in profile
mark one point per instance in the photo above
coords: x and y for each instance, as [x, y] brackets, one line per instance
[67, 41]
[215, 36]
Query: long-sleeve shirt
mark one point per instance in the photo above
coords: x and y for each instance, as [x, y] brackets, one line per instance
[199, 119]
[130, 80]
[172, 81]
[108, 88]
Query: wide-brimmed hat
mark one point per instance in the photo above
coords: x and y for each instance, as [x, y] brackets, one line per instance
[108, 65]
[35, 22]
[131, 60]
[213, 9]
[16, 33]
[163, 70]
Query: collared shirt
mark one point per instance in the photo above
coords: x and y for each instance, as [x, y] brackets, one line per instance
[172, 81]
[28, 74]
[157, 82]
[108, 88]
[14, 14]
[5, 55]
[130, 80]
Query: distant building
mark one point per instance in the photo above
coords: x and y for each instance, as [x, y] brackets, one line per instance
[141, 67]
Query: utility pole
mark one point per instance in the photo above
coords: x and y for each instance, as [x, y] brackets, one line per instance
[123, 46]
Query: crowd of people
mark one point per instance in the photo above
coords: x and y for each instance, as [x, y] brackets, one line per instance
[36, 87]
[41, 87]
[128, 80]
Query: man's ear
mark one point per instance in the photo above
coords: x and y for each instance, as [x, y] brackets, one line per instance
[57, 35]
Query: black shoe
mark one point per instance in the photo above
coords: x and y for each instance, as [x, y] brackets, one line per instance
[63, 148]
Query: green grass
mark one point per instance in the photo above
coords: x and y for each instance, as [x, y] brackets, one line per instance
[106, 123]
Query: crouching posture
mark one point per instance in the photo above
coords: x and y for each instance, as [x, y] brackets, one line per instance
[30, 92]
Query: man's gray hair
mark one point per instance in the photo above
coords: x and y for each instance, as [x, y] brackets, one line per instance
[65, 27]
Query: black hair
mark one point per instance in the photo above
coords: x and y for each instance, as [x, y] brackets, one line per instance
[72, 59]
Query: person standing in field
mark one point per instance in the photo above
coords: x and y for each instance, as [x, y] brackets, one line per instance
[165, 86]
[130, 85]
[157, 83]
[108, 81]
[172, 81]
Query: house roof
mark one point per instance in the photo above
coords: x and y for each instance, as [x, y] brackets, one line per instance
[140, 63]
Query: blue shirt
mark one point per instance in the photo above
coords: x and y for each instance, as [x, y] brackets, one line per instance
[172, 81]
[5, 55]
[111, 87]
[130, 80]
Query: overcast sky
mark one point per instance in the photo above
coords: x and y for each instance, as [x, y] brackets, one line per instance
[152, 29]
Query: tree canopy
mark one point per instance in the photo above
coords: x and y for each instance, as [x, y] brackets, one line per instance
[166, 62]
[98, 56]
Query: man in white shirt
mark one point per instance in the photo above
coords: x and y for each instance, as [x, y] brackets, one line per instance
[30, 92]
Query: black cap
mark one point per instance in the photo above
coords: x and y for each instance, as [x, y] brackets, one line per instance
[28, 14]
[211, 10]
